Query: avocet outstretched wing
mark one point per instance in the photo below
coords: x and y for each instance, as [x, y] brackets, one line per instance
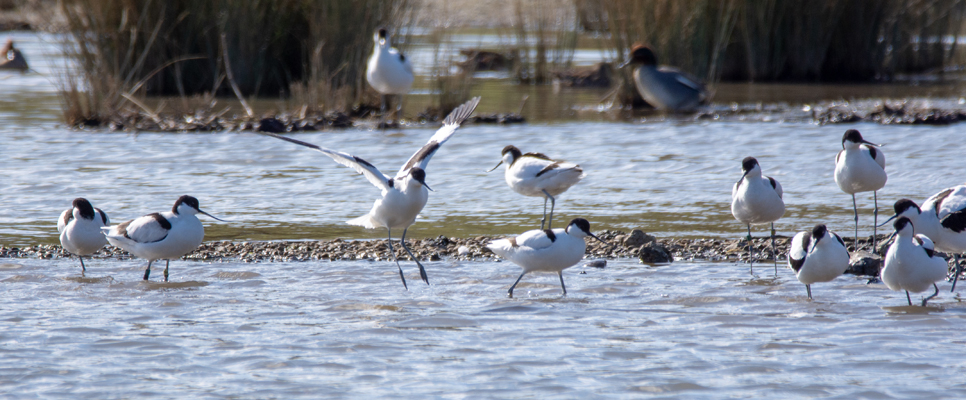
[450, 124]
[361, 166]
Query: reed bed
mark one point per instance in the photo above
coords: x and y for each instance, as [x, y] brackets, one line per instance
[126, 49]
[788, 40]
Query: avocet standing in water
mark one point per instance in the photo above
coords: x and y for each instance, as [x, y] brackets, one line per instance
[757, 199]
[388, 70]
[943, 219]
[404, 195]
[536, 175]
[80, 229]
[860, 167]
[911, 263]
[552, 250]
[817, 256]
[161, 236]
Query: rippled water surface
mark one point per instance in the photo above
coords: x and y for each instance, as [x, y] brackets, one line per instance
[286, 330]
[321, 329]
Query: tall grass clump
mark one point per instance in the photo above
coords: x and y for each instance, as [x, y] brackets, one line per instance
[791, 40]
[545, 39]
[123, 48]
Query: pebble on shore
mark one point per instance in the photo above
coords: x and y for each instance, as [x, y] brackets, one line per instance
[637, 244]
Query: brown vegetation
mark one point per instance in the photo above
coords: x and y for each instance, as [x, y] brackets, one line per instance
[132, 48]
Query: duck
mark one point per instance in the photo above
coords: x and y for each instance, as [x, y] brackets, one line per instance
[665, 88]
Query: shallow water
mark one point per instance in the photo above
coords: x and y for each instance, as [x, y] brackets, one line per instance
[309, 330]
[313, 329]
[670, 176]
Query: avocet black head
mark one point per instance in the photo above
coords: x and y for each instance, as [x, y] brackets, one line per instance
[902, 223]
[819, 231]
[192, 206]
[420, 176]
[509, 154]
[583, 229]
[382, 35]
[84, 207]
[747, 165]
[854, 136]
[904, 207]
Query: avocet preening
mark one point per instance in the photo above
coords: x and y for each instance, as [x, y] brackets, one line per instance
[860, 167]
[536, 175]
[404, 195]
[943, 219]
[388, 70]
[551, 250]
[757, 199]
[80, 229]
[161, 236]
[817, 256]
[665, 88]
[911, 263]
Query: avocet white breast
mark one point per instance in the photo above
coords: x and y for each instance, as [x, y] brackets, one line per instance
[911, 263]
[551, 250]
[536, 175]
[80, 229]
[404, 195]
[161, 236]
[942, 218]
[817, 256]
[757, 199]
[665, 88]
[860, 167]
[388, 70]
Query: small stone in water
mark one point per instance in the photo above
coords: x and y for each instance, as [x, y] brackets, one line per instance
[463, 250]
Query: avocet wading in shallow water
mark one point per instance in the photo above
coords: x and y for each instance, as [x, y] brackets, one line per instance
[551, 250]
[404, 195]
[161, 236]
[911, 263]
[80, 229]
[943, 219]
[388, 70]
[817, 256]
[757, 199]
[860, 167]
[536, 175]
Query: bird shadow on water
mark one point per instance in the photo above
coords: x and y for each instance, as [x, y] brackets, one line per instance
[90, 280]
[907, 309]
[149, 285]
[759, 281]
